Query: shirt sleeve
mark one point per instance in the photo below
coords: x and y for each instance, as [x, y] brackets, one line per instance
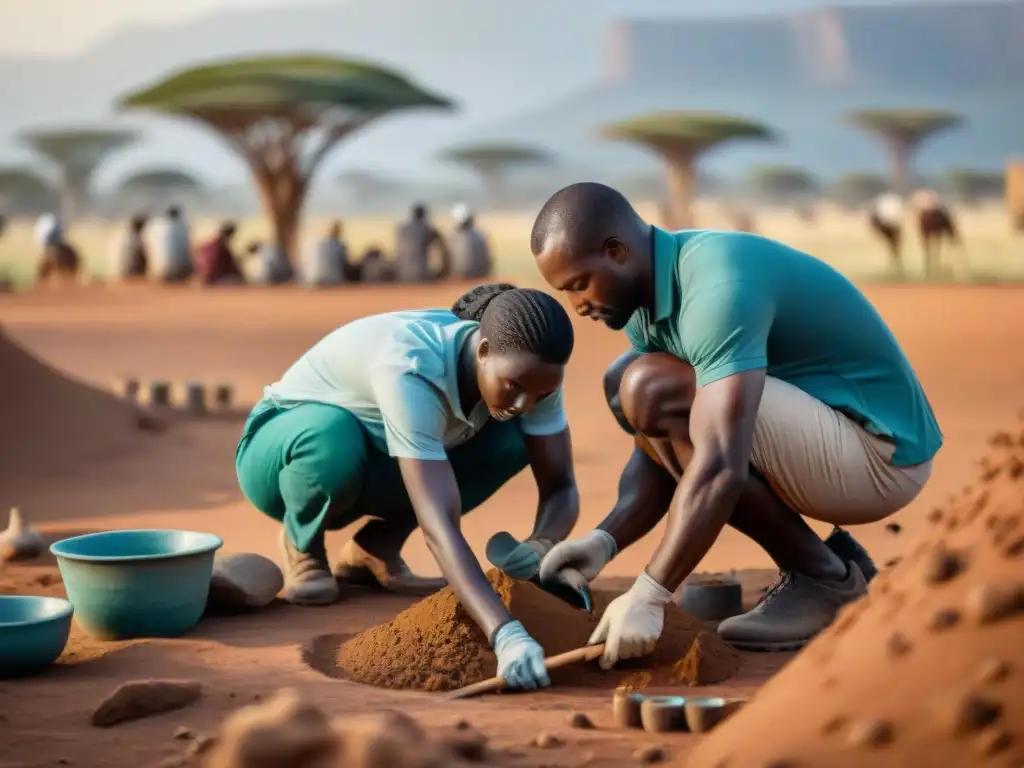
[547, 418]
[414, 415]
[724, 329]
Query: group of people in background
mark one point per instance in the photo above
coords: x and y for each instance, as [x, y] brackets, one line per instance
[161, 249]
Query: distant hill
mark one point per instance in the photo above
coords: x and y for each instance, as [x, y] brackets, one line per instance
[800, 73]
[534, 69]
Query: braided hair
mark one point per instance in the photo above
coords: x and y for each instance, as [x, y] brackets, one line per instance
[519, 320]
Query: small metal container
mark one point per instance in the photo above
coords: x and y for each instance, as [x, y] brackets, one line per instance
[662, 714]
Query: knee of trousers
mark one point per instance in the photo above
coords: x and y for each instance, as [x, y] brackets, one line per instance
[330, 457]
[611, 383]
[656, 393]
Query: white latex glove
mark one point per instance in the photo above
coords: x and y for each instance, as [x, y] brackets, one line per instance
[632, 623]
[588, 555]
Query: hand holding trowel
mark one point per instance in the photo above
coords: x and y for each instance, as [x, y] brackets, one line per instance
[522, 560]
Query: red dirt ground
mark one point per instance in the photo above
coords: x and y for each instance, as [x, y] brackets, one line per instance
[963, 341]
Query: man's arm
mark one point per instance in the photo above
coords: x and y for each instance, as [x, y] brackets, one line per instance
[645, 493]
[558, 505]
[721, 432]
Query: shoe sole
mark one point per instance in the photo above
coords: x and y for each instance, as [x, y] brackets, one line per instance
[363, 578]
[792, 645]
[309, 603]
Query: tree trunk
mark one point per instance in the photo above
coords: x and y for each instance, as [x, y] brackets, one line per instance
[899, 159]
[282, 195]
[491, 180]
[681, 182]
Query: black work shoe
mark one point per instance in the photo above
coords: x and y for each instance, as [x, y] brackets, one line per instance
[792, 612]
[849, 550]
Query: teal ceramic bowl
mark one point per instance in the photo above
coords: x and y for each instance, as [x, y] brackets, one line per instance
[141, 583]
[33, 633]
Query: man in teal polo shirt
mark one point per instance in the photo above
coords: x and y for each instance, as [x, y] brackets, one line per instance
[766, 376]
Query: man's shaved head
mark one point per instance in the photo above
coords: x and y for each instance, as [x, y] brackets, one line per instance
[590, 243]
[584, 215]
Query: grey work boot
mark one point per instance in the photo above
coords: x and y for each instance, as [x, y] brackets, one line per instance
[358, 568]
[849, 550]
[307, 575]
[792, 612]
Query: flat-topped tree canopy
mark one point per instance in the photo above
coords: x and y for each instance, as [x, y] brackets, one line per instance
[685, 132]
[77, 152]
[679, 138]
[902, 130]
[162, 179]
[491, 161]
[26, 192]
[781, 182]
[858, 188]
[969, 185]
[283, 114]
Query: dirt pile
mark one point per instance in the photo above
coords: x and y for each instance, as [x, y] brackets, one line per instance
[435, 646]
[928, 669]
[52, 423]
[287, 732]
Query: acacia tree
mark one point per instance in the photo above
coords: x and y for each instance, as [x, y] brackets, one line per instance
[781, 183]
[161, 181]
[902, 131]
[283, 115]
[970, 186]
[492, 162]
[24, 192]
[680, 139]
[77, 152]
[853, 190]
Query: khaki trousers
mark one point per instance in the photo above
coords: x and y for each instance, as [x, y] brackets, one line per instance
[824, 465]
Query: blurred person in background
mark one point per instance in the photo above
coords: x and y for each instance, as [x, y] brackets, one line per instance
[415, 241]
[935, 224]
[3, 225]
[471, 254]
[128, 257]
[374, 268]
[58, 258]
[327, 262]
[170, 249]
[886, 217]
[215, 261]
[272, 268]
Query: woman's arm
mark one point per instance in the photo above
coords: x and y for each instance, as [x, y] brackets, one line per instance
[435, 497]
[558, 505]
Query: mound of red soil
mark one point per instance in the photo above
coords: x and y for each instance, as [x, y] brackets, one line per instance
[928, 669]
[435, 646]
[52, 423]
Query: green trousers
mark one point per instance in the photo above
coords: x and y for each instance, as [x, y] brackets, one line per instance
[313, 467]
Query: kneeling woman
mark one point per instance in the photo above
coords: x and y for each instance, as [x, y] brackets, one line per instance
[416, 418]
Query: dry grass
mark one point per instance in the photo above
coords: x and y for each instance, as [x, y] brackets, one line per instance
[842, 239]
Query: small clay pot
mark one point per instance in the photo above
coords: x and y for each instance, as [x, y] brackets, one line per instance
[713, 600]
[703, 714]
[626, 708]
[127, 389]
[159, 394]
[660, 714]
[223, 396]
[193, 398]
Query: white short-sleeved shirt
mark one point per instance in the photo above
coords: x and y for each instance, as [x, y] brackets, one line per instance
[398, 374]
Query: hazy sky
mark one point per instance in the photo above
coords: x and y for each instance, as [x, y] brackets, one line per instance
[68, 26]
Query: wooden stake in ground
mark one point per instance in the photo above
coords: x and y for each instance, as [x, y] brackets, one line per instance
[586, 653]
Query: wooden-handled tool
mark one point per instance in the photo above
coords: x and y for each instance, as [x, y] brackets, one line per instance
[586, 653]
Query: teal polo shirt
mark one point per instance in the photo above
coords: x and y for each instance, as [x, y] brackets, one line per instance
[729, 302]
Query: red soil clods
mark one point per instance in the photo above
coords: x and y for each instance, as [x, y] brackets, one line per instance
[925, 670]
[435, 646]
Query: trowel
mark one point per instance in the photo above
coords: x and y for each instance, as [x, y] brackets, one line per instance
[571, 585]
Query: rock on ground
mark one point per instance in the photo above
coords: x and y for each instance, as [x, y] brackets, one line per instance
[143, 698]
[244, 580]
